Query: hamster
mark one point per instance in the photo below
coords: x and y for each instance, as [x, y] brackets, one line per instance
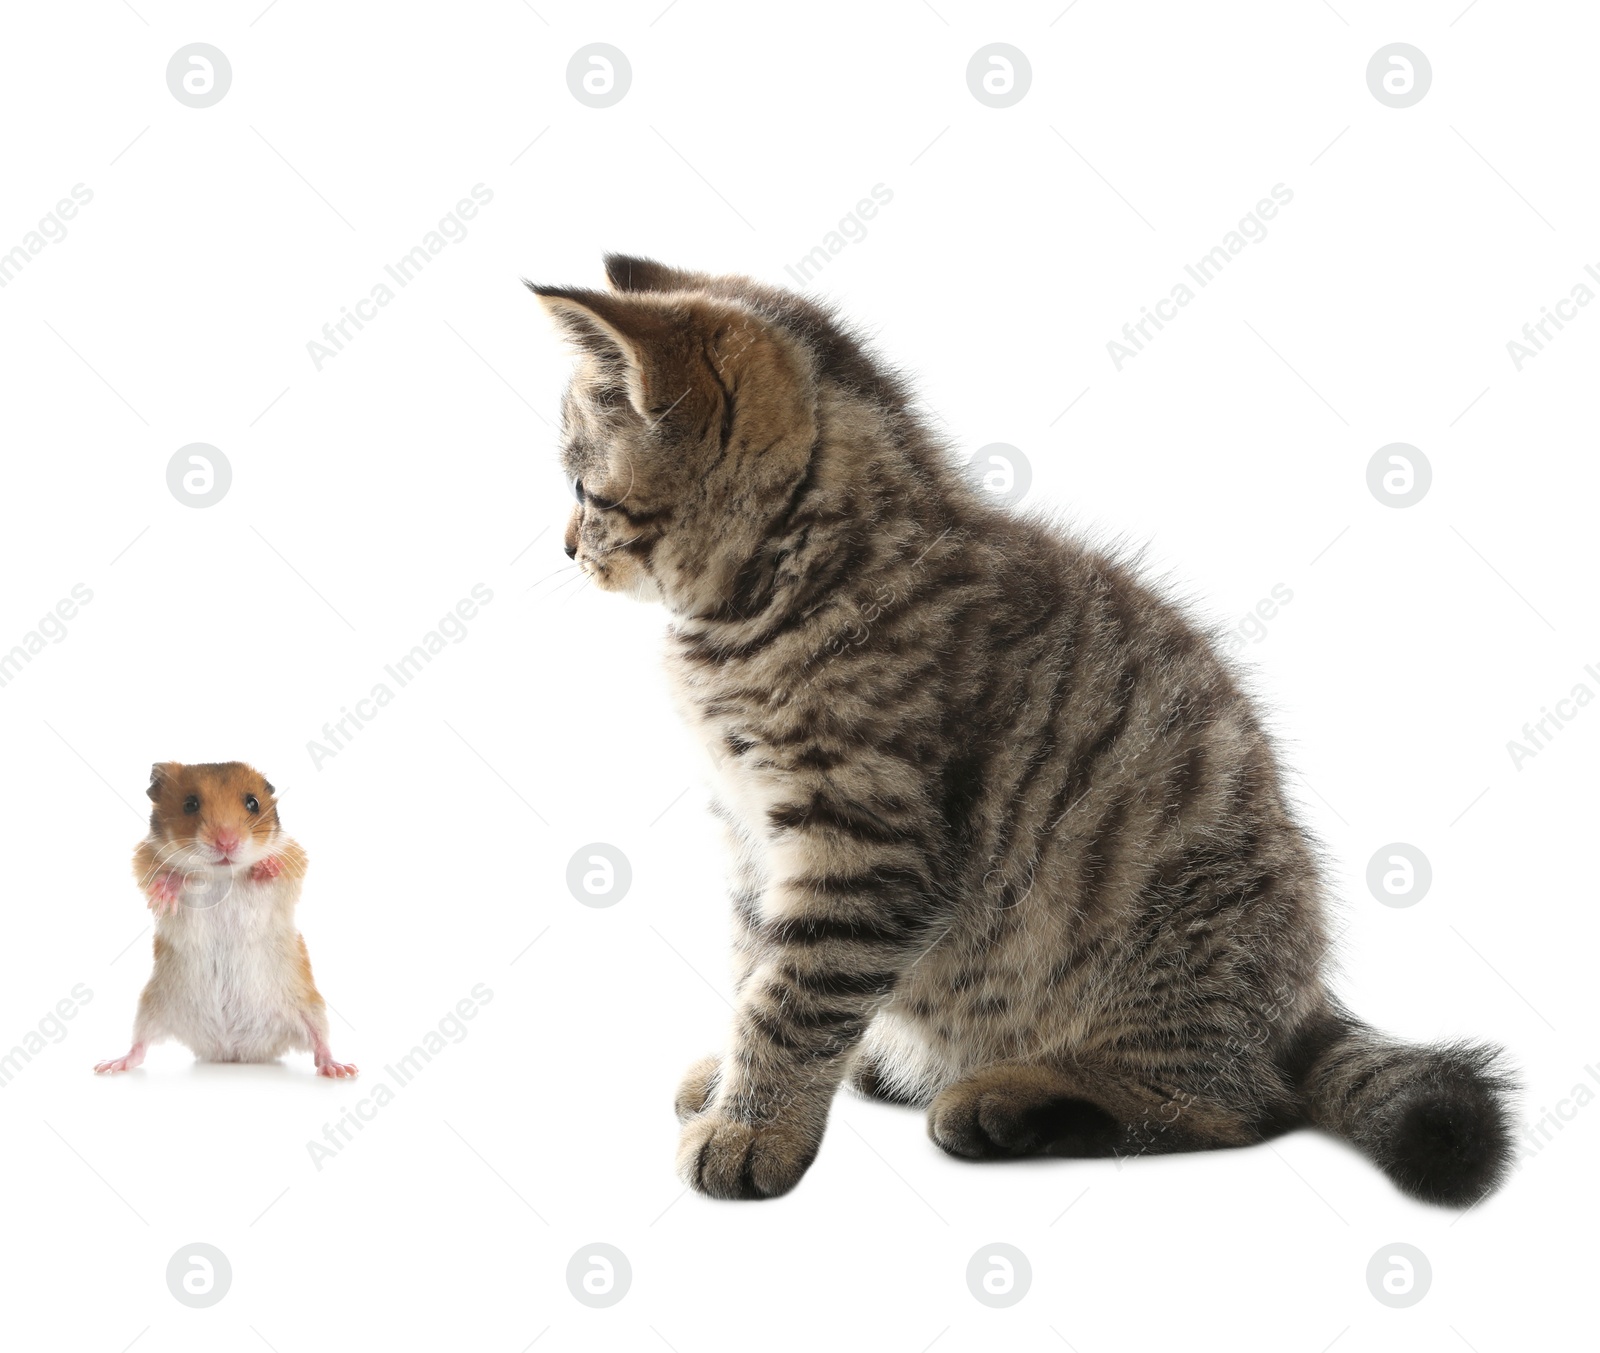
[232, 979]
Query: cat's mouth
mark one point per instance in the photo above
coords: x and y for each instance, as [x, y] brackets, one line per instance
[629, 580]
[622, 566]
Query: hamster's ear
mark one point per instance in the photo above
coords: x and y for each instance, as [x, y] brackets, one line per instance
[268, 784]
[160, 773]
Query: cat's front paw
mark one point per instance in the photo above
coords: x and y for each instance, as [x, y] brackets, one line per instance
[697, 1089]
[725, 1158]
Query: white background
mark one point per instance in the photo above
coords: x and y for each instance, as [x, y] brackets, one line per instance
[369, 496]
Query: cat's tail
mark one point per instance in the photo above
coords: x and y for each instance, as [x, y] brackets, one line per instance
[1435, 1119]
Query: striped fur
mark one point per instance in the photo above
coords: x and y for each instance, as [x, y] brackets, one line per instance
[1010, 840]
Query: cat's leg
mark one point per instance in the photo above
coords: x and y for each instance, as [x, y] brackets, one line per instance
[1018, 1109]
[697, 1091]
[867, 1078]
[699, 1084]
[698, 1088]
[1080, 1109]
[829, 954]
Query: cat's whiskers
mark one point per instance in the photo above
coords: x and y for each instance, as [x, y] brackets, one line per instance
[579, 575]
[554, 573]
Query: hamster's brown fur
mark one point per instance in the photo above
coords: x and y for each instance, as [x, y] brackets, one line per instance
[232, 978]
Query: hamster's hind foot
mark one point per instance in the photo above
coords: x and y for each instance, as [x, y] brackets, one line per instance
[323, 1054]
[133, 1057]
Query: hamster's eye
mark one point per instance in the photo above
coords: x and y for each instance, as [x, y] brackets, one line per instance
[192, 804]
[252, 804]
[577, 490]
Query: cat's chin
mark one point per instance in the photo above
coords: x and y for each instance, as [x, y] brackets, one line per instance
[642, 588]
[638, 584]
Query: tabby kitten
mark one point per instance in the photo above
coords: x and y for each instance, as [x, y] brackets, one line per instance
[1010, 840]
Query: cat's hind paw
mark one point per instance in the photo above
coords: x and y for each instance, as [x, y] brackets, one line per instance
[1017, 1110]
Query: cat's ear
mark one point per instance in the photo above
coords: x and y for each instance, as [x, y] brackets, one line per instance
[647, 343]
[597, 322]
[628, 273]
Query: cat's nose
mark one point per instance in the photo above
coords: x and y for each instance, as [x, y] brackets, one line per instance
[572, 550]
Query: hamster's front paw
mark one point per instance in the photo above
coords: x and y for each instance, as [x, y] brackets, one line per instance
[697, 1089]
[723, 1157]
[165, 889]
[268, 867]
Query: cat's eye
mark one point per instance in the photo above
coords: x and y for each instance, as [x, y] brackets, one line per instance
[252, 804]
[577, 490]
[192, 804]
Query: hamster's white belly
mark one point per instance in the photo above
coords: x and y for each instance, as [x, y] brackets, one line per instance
[226, 976]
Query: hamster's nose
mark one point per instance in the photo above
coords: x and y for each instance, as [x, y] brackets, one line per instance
[226, 841]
